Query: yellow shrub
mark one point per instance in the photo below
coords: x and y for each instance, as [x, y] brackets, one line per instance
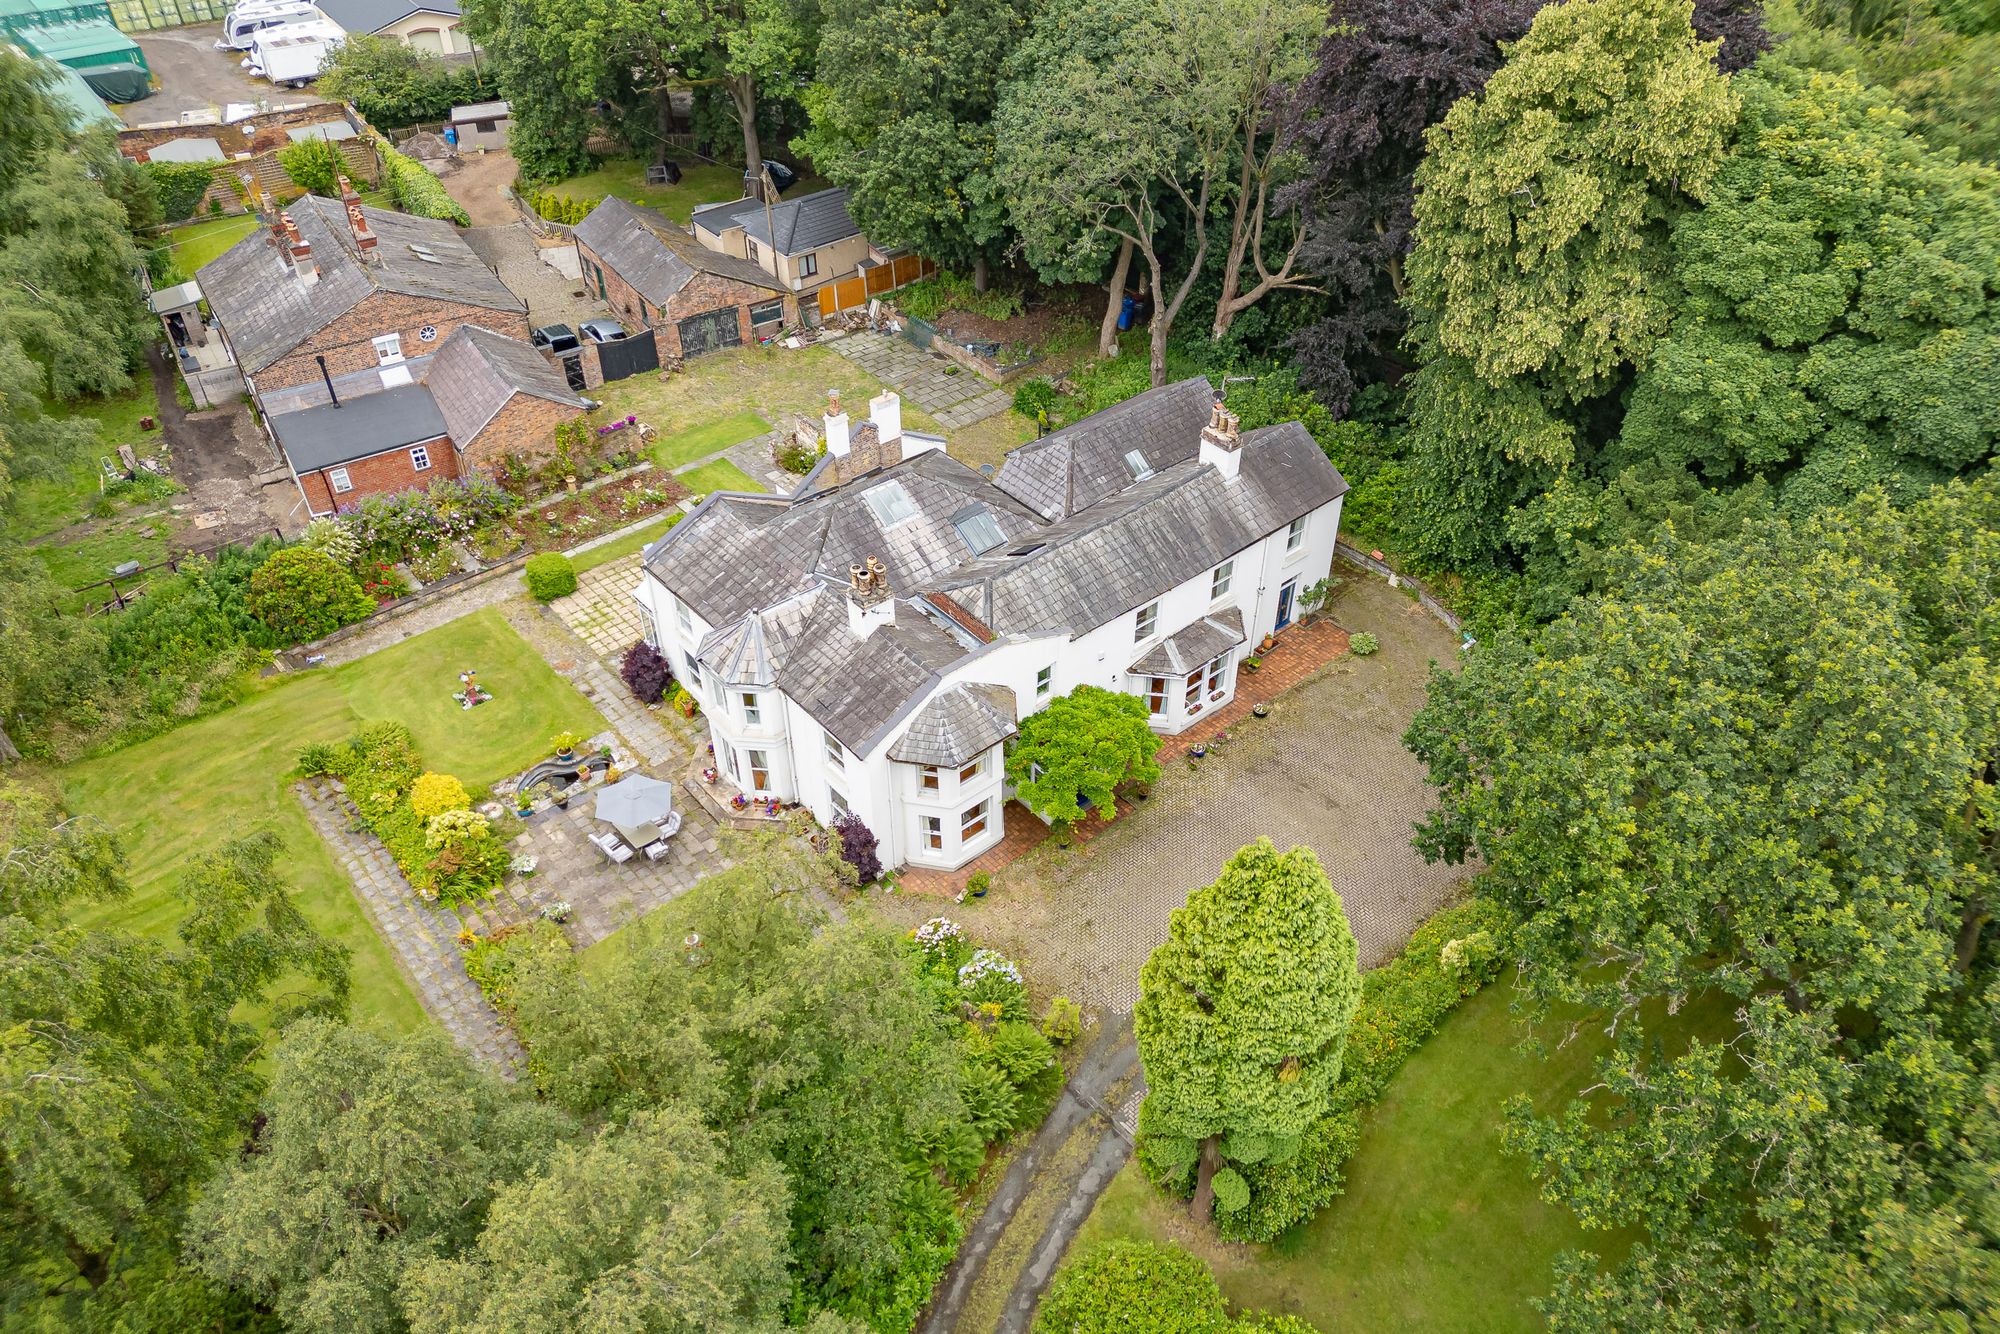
[435, 794]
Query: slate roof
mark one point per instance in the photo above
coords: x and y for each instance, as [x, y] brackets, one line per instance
[801, 224]
[365, 16]
[654, 256]
[324, 436]
[476, 371]
[1180, 653]
[1076, 467]
[1102, 562]
[957, 724]
[267, 310]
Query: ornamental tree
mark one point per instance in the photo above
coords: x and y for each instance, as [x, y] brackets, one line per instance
[302, 594]
[1078, 750]
[1242, 1019]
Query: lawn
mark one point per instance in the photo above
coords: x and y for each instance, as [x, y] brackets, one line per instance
[42, 504]
[607, 552]
[720, 475]
[224, 775]
[1436, 1230]
[701, 183]
[139, 537]
[681, 447]
[196, 243]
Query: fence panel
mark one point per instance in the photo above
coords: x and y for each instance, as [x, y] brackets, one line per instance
[629, 356]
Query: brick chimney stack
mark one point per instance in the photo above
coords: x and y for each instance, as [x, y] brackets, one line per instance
[1221, 447]
[303, 262]
[869, 606]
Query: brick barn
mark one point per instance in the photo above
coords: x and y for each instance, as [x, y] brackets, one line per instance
[654, 273]
[500, 397]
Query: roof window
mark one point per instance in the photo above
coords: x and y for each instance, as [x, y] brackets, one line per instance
[979, 530]
[425, 253]
[1136, 462]
[889, 503]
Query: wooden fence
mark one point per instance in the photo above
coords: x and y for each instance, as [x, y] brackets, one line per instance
[873, 281]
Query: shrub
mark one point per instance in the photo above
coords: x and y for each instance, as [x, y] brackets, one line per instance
[415, 190]
[302, 595]
[931, 297]
[453, 828]
[795, 457]
[497, 962]
[1063, 1024]
[991, 978]
[434, 794]
[857, 847]
[1080, 748]
[335, 540]
[978, 883]
[1362, 644]
[435, 565]
[1133, 1285]
[317, 758]
[1036, 399]
[645, 672]
[180, 186]
[550, 576]
[315, 166]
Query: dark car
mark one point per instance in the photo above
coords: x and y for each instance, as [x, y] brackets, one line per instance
[602, 331]
[554, 337]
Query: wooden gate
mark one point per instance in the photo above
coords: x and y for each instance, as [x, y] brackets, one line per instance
[628, 356]
[710, 331]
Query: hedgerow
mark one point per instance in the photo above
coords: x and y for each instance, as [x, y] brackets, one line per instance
[414, 190]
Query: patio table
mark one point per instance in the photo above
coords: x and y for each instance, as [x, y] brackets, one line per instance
[638, 835]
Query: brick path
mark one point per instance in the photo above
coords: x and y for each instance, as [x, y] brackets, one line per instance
[422, 936]
[954, 399]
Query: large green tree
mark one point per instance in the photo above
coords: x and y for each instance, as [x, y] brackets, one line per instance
[1079, 750]
[1839, 303]
[1539, 271]
[902, 115]
[545, 62]
[1242, 1018]
[372, 1156]
[1742, 807]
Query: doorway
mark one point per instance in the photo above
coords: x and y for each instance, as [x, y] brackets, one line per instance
[1287, 595]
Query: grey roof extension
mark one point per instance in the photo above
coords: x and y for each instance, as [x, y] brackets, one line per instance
[476, 372]
[802, 224]
[267, 310]
[366, 16]
[1178, 654]
[1076, 467]
[957, 724]
[654, 256]
[326, 436]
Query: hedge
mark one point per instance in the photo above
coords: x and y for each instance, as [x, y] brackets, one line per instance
[180, 187]
[415, 190]
[550, 576]
[1450, 957]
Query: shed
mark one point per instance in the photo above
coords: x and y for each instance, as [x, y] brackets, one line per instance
[82, 46]
[482, 124]
[188, 150]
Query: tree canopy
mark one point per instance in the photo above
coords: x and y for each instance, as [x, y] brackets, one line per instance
[1079, 750]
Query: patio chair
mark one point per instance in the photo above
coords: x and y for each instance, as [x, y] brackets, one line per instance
[612, 847]
[669, 826]
[658, 851]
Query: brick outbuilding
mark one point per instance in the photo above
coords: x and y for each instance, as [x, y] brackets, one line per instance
[499, 397]
[654, 273]
[377, 444]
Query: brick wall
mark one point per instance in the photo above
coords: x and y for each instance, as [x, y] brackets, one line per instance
[618, 294]
[526, 426]
[348, 342]
[378, 474]
[705, 292]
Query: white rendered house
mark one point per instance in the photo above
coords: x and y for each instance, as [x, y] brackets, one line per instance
[870, 643]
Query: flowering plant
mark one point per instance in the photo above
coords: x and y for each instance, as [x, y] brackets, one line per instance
[940, 933]
[987, 963]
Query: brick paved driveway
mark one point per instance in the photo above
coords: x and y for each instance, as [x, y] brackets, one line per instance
[1326, 769]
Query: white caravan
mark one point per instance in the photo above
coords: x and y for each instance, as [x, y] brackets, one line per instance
[242, 24]
[292, 55]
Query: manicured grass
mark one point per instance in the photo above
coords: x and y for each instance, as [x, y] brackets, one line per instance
[721, 475]
[1436, 1230]
[625, 546]
[681, 447]
[222, 776]
[772, 383]
[701, 183]
[196, 243]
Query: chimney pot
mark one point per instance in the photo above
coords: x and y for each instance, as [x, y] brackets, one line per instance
[869, 606]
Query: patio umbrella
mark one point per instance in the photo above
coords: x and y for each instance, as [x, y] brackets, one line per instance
[635, 800]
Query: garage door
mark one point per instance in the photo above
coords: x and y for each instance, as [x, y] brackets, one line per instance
[710, 331]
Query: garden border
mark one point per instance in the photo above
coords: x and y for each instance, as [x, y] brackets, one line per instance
[1444, 615]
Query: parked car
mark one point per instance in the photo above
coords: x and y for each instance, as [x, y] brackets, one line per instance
[554, 338]
[602, 331]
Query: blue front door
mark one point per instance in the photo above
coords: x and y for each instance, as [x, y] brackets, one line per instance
[1285, 596]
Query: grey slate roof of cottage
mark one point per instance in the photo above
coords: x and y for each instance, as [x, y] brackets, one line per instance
[1084, 462]
[476, 371]
[366, 16]
[654, 256]
[801, 224]
[957, 724]
[326, 436]
[267, 310]
[1180, 653]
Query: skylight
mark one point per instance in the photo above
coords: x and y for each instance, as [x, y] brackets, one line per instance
[889, 503]
[425, 253]
[1136, 461]
[978, 528]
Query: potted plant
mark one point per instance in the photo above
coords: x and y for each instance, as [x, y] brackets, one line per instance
[1260, 710]
[709, 775]
[566, 744]
[1265, 647]
[524, 865]
[739, 801]
[771, 806]
[1198, 750]
[1251, 664]
[978, 883]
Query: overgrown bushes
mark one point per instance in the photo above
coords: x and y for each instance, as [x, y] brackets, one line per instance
[301, 595]
[928, 298]
[414, 190]
[179, 187]
[315, 166]
[495, 961]
[409, 524]
[550, 576]
[1137, 1285]
[1402, 1003]
[452, 855]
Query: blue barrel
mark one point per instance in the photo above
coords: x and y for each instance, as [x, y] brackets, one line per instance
[1125, 314]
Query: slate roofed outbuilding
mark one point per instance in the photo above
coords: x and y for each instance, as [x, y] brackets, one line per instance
[476, 371]
[654, 256]
[267, 310]
[366, 16]
[1074, 468]
[327, 436]
[956, 725]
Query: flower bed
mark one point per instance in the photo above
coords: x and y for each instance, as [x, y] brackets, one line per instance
[449, 852]
[565, 520]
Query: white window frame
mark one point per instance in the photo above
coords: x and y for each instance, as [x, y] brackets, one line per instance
[836, 754]
[975, 814]
[1218, 582]
[1146, 622]
[420, 458]
[389, 350]
[757, 784]
[968, 772]
[683, 619]
[929, 778]
[1295, 536]
[1045, 681]
[753, 709]
[693, 665]
[1156, 696]
[750, 248]
[837, 801]
[934, 833]
[339, 479]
